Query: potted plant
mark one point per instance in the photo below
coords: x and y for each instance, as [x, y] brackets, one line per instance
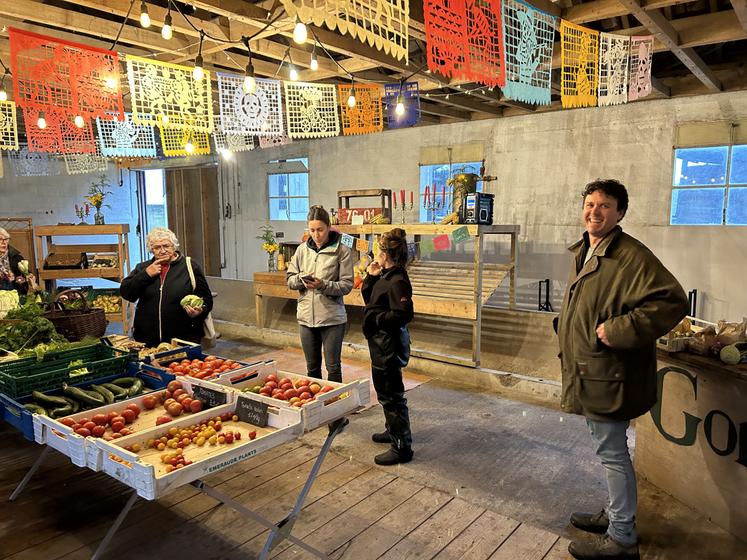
[269, 245]
[96, 195]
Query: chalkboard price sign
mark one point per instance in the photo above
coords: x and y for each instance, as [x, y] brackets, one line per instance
[210, 397]
[250, 411]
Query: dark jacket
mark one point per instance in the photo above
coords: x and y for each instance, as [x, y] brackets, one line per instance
[333, 265]
[159, 316]
[388, 300]
[14, 257]
[625, 287]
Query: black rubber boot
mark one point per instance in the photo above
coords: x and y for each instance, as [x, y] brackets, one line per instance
[381, 437]
[591, 522]
[394, 457]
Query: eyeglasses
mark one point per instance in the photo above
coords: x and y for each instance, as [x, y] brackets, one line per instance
[4, 239]
[159, 248]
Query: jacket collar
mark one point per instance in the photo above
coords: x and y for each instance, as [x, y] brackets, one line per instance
[603, 246]
[331, 244]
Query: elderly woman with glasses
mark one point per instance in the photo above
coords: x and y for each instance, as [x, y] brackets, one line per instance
[14, 268]
[158, 286]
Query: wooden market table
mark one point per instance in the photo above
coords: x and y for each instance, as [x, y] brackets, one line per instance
[440, 288]
[693, 443]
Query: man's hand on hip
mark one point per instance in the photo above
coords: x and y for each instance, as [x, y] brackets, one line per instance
[602, 336]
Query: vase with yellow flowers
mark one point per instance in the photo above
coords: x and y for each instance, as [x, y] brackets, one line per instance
[96, 196]
[269, 245]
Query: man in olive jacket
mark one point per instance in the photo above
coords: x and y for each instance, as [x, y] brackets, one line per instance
[618, 301]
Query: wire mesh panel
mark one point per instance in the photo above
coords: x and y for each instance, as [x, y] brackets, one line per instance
[311, 110]
[411, 101]
[8, 126]
[528, 40]
[26, 163]
[168, 94]
[78, 164]
[233, 142]
[641, 51]
[258, 113]
[75, 79]
[579, 59]
[125, 138]
[184, 141]
[380, 23]
[366, 116]
[613, 69]
[273, 141]
[445, 30]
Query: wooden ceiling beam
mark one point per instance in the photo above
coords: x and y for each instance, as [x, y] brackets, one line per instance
[439, 111]
[662, 29]
[468, 103]
[604, 9]
[740, 9]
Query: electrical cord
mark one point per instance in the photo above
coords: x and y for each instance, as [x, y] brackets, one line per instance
[121, 27]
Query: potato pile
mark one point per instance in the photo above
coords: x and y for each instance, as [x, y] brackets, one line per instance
[110, 304]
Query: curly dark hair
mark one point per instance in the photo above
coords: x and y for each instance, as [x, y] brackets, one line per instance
[612, 188]
[394, 243]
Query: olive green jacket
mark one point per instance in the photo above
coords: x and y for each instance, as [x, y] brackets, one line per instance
[624, 286]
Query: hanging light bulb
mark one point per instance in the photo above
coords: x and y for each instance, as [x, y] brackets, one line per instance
[226, 154]
[144, 16]
[111, 82]
[250, 84]
[165, 119]
[166, 31]
[293, 73]
[189, 147]
[3, 93]
[314, 62]
[198, 73]
[399, 110]
[41, 122]
[299, 32]
[351, 97]
[79, 122]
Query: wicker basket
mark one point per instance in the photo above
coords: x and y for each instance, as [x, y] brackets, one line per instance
[76, 324]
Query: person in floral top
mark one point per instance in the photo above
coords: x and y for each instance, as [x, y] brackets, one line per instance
[14, 269]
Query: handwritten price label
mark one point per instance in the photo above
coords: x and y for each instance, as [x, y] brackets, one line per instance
[345, 215]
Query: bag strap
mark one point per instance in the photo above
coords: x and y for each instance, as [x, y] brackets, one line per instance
[191, 273]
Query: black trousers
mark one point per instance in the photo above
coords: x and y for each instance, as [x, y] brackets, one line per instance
[389, 354]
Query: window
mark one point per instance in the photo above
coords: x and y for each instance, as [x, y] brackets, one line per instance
[435, 176]
[288, 187]
[709, 186]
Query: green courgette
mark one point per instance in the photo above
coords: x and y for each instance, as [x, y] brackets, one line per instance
[118, 392]
[135, 389]
[104, 392]
[125, 382]
[72, 402]
[35, 409]
[61, 411]
[48, 401]
[91, 398]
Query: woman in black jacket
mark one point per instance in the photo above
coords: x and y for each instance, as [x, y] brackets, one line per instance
[388, 295]
[158, 286]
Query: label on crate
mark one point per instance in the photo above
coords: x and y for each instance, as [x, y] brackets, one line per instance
[210, 397]
[251, 412]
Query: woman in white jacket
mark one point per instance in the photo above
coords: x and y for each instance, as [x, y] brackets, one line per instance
[322, 272]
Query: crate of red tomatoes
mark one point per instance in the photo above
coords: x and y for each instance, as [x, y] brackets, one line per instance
[197, 364]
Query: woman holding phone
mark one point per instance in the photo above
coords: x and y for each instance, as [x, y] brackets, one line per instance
[322, 272]
[388, 295]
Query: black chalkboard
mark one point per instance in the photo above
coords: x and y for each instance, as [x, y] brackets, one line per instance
[210, 397]
[251, 411]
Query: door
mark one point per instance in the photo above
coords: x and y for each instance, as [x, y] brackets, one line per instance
[193, 214]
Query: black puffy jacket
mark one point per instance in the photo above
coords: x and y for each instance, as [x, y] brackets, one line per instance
[159, 316]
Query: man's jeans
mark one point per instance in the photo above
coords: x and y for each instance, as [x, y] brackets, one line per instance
[612, 449]
[313, 339]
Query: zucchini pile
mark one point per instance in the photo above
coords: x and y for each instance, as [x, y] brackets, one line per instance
[75, 399]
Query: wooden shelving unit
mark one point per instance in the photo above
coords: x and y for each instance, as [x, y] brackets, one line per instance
[45, 243]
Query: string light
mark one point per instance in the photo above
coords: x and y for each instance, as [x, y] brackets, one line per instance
[314, 65]
[189, 147]
[226, 154]
[250, 84]
[399, 110]
[111, 82]
[198, 73]
[3, 93]
[79, 122]
[293, 73]
[41, 122]
[351, 97]
[166, 31]
[299, 32]
[144, 16]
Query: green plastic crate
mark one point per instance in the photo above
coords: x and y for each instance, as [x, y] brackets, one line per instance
[20, 377]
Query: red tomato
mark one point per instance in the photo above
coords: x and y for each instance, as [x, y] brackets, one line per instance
[134, 408]
[305, 395]
[195, 405]
[117, 426]
[149, 402]
[196, 362]
[218, 362]
[174, 385]
[125, 431]
[69, 422]
[185, 362]
[186, 402]
[116, 435]
[116, 418]
[272, 377]
[175, 409]
[210, 358]
[162, 420]
[228, 362]
[89, 425]
[85, 432]
[128, 415]
[236, 366]
[178, 392]
[98, 431]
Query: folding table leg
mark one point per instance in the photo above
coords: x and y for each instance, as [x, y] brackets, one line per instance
[113, 529]
[32, 470]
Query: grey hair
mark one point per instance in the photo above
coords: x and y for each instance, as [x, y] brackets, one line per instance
[161, 233]
[4, 233]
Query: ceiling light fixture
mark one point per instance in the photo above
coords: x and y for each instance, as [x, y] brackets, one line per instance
[299, 32]
[198, 73]
[41, 122]
[144, 16]
[250, 83]
[351, 97]
[3, 93]
[79, 122]
[166, 31]
[314, 65]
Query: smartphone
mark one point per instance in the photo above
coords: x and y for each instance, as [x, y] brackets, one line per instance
[308, 278]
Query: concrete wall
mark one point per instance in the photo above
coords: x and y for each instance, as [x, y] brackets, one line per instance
[51, 200]
[542, 162]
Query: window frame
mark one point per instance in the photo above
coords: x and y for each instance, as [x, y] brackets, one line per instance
[726, 185]
[425, 215]
[273, 166]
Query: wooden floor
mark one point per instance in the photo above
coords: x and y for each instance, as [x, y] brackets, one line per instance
[355, 511]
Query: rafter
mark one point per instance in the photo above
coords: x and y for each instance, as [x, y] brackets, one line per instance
[740, 8]
[604, 9]
[467, 103]
[440, 111]
[662, 29]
